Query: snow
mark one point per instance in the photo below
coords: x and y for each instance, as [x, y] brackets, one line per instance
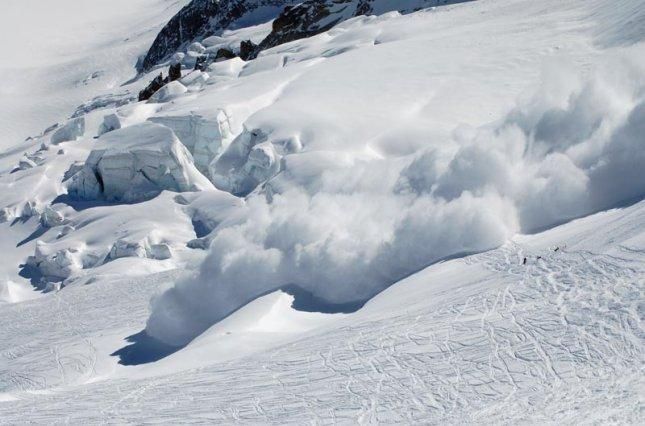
[477, 339]
[51, 60]
[469, 189]
[427, 218]
[168, 92]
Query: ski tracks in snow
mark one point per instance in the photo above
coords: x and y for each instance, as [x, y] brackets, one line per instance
[540, 341]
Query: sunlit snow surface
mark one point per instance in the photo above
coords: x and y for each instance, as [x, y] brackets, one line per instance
[355, 159]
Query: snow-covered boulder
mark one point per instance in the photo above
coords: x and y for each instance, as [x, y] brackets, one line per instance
[204, 137]
[135, 164]
[51, 218]
[168, 92]
[70, 131]
[249, 161]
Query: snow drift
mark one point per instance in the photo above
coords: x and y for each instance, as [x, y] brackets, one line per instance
[575, 147]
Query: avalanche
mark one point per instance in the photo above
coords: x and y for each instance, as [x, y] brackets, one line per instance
[432, 213]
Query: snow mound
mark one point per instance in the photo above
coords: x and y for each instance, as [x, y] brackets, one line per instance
[574, 148]
[135, 164]
[169, 92]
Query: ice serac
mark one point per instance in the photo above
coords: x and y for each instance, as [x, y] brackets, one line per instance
[249, 161]
[135, 164]
[201, 18]
[56, 265]
[70, 131]
[205, 137]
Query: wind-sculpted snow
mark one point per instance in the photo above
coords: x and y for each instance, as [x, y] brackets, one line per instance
[576, 147]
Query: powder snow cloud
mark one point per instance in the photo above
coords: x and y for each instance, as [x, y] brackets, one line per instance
[347, 233]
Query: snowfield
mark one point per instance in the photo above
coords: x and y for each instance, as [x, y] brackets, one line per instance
[431, 217]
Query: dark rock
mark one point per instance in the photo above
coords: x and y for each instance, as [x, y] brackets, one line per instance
[151, 88]
[174, 72]
[248, 50]
[224, 54]
[202, 62]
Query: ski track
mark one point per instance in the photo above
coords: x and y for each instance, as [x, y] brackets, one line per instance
[547, 341]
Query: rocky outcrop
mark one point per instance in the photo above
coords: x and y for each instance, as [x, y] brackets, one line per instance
[293, 20]
[199, 19]
[313, 17]
[247, 49]
[174, 72]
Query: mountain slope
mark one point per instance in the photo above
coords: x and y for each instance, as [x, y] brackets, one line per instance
[201, 18]
[430, 217]
[291, 21]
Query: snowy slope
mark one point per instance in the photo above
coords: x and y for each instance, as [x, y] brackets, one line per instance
[57, 55]
[481, 339]
[468, 176]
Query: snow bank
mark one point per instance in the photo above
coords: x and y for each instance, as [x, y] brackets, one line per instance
[574, 148]
[135, 164]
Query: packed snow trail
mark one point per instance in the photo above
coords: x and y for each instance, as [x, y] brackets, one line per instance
[480, 339]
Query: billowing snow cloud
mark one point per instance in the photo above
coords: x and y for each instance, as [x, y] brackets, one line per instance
[348, 232]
